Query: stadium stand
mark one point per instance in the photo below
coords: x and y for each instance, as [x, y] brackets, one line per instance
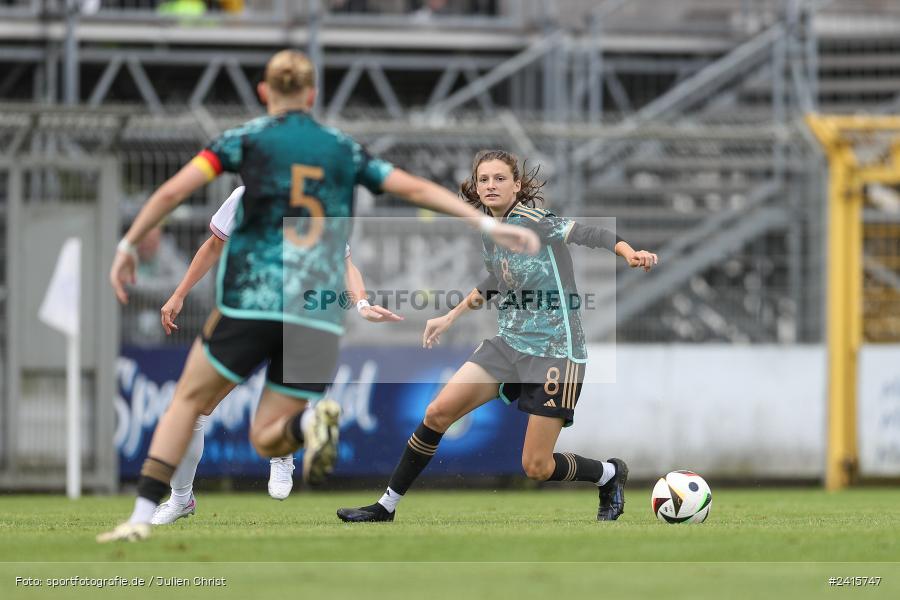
[617, 101]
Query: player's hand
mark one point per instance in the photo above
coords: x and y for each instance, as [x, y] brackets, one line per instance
[379, 314]
[517, 239]
[169, 312]
[122, 272]
[433, 330]
[643, 259]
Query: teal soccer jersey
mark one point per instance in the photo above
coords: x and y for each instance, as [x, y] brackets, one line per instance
[536, 297]
[289, 270]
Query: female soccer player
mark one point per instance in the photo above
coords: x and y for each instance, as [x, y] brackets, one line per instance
[181, 502]
[281, 263]
[539, 356]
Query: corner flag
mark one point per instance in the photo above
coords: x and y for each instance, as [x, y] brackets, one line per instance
[62, 303]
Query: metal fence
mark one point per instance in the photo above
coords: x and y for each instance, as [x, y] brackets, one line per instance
[422, 13]
[735, 212]
[881, 265]
[881, 290]
[45, 201]
[558, 71]
[713, 170]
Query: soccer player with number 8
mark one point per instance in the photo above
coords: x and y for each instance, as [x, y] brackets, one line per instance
[538, 359]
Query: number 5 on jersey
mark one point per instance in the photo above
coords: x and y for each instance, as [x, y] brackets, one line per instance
[299, 175]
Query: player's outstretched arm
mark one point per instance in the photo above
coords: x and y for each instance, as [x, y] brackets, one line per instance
[599, 237]
[353, 279]
[161, 203]
[202, 262]
[427, 194]
[636, 258]
[435, 327]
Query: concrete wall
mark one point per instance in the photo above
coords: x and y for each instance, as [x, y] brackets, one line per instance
[879, 410]
[752, 411]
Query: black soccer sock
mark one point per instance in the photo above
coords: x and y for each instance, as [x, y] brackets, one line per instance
[293, 432]
[571, 467]
[153, 483]
[418, 452]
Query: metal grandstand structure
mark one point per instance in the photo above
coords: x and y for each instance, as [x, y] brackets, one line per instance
[683, 123]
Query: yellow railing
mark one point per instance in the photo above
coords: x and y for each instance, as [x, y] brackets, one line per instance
[842, 138]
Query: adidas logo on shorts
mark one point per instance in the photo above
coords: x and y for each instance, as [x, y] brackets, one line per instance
[550, 403]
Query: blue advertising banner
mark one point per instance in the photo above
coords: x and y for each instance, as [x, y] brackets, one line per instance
[377, 417]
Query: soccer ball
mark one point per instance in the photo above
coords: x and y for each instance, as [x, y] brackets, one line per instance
[681, 497]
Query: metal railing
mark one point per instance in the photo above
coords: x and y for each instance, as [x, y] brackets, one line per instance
[737, 226]
[881, 264]
[372, 13]
[687, 17]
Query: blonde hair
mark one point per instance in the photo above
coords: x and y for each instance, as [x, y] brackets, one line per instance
[290, 72]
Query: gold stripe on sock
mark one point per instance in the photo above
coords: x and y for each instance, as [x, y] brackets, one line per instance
[413, 443]
[157, 469]
[424, 445]
[572, 467]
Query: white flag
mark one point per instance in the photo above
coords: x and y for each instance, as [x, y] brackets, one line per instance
[61, 306]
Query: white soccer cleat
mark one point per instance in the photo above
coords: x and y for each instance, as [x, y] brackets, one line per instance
[126, 532]
[168, 512]
[320, 442]
[281, 476]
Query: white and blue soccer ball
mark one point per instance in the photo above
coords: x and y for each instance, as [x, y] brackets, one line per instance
[681, 497]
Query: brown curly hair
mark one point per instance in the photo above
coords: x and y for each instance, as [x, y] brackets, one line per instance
[529, 194]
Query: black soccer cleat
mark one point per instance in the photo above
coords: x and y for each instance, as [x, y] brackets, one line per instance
[612, 493]
[365, 514]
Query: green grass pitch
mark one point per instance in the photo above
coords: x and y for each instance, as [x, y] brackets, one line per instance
[506, 544]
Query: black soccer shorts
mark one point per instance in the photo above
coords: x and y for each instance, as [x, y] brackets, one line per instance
[301, 360]
[549, 387]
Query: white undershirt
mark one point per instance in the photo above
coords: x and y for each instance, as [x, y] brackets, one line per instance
[223, 222]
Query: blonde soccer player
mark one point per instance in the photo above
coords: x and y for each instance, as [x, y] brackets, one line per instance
[181, 502]
[284, 255]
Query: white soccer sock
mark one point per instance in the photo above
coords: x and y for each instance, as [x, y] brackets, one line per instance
[609, 471]
[390, 500]
[307, 417]
[143, 511]
[183, 478]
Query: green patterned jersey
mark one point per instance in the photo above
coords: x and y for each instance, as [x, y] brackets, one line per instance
[284, 260]
[536, 296]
